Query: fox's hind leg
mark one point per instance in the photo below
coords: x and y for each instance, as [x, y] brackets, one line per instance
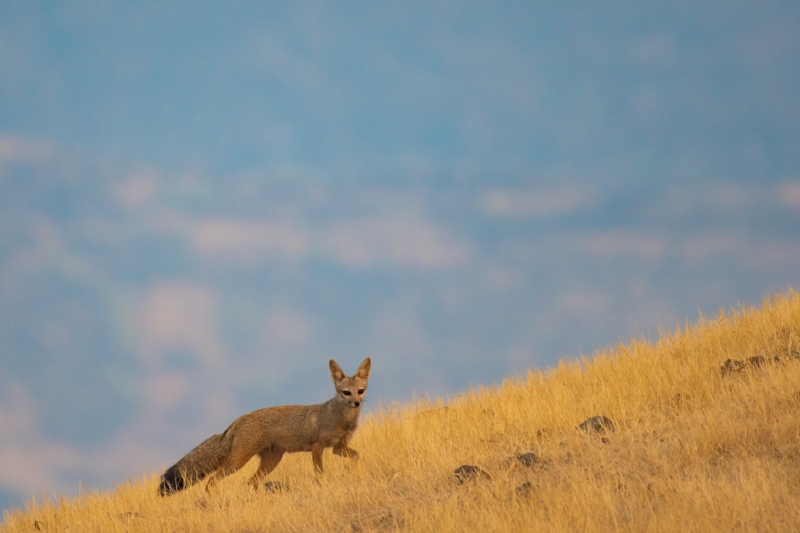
[234, 463]
[219, 474]
[269, 460]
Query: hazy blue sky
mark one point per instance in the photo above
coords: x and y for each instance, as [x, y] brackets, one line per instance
[203, 202]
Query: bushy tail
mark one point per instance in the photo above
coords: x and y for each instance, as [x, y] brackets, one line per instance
[195, 465]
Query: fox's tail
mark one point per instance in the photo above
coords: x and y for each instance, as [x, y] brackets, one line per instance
[195, 465]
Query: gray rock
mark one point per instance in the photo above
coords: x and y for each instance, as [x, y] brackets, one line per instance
[596, 424]
[465, 473]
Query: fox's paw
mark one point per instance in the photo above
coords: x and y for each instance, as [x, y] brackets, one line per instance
[344, 451]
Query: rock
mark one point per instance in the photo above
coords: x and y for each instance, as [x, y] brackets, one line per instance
[275, 486]
[528, 459]
[596, 424]
[733, 365]
[466, 473]
[680, 399]
[380, 522]
[524, 490]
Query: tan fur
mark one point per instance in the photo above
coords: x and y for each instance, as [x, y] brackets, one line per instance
[273, 431]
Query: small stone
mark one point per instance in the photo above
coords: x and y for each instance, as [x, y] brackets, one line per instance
[596, 424]
[524, 490]
[680, 399]
[733, 365]
[275, 486]
[528, 459]
[466, 473]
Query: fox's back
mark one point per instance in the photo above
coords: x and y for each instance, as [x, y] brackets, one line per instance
[287, 427]
[291, 428]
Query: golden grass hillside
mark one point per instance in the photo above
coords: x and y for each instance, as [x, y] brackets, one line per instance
[696, 445]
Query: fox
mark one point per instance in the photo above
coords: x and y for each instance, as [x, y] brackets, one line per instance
[272, 431]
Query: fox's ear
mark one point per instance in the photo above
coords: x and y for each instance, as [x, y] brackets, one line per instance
[336, 371]
[363, 370]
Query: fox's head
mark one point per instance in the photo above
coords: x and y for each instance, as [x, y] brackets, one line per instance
[350, 390]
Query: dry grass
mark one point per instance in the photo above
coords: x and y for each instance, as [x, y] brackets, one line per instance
[692, 450]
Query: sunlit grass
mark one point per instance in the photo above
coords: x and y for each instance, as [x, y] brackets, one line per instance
[692, 450]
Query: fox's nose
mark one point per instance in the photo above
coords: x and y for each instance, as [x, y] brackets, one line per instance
[356, 403]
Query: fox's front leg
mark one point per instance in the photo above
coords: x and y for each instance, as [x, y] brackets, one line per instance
[316, 455]
[343, 450]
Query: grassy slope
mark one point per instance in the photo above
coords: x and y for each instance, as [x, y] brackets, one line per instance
[693, 450]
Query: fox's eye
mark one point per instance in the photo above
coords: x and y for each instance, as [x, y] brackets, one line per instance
[361, 391]
[346, 392]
